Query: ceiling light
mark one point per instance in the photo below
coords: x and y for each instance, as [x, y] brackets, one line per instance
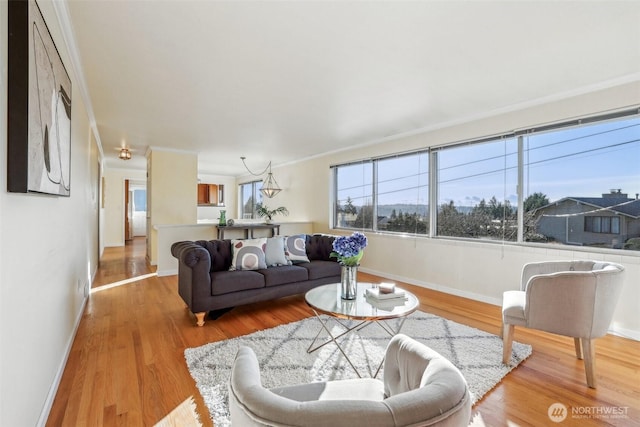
[269, 186]
[125, 154]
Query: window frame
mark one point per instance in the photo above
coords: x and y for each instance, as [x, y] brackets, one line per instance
[256, 197]
[434, 186]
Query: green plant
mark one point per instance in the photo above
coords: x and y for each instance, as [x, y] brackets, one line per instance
[263, 211]
[633, 244]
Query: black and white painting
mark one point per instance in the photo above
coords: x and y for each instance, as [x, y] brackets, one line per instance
[46, 132]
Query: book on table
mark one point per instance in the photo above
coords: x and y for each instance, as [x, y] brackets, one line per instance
[376, 294]
[388, 304]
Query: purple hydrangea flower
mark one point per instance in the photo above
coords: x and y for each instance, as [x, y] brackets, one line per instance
[348, 249]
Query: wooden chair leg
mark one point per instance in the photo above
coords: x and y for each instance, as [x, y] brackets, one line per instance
[589, 352]
[507, 341]
[200, 318]
[578, 344]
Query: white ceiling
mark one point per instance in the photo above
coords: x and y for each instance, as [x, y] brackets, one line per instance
[287, 80]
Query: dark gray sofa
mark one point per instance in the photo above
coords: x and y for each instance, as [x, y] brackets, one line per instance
[206, 284]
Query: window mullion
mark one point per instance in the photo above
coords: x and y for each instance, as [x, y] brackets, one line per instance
[433, 193]
[520, 190]
[374, 196]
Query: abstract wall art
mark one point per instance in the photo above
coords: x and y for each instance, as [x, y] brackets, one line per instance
[39, 106]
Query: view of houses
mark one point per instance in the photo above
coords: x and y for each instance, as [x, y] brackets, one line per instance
[609, 221]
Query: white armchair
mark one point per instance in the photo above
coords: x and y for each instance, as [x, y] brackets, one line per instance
[571, 298]
[420, 388]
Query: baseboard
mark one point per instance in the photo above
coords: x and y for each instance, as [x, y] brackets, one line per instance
[53, 390]
[624, 333]
[613, 329]
[436, 287]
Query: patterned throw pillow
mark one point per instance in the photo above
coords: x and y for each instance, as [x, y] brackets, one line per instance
[274, 252]
[248, 254]
[296, 248]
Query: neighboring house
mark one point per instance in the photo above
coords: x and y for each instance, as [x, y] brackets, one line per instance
[607, 221]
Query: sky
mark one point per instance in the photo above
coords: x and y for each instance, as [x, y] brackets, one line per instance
[585, 161]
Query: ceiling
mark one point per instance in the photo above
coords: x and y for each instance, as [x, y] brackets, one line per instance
[284, 81]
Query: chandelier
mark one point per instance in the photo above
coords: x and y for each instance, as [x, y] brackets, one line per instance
[269, 185]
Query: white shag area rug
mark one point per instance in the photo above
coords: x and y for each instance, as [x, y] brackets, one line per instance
[282, 352]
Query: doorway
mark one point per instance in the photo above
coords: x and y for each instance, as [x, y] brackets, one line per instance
[135, 201]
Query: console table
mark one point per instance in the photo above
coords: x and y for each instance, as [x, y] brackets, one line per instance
[248, 229]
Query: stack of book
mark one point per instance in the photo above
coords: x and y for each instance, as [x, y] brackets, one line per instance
[385, 296]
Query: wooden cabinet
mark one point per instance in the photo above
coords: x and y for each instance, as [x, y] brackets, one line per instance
[210, 195]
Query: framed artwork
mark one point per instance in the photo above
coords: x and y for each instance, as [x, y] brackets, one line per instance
[39, 106]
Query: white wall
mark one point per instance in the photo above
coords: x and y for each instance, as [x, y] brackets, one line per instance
[48, 255]
[478, 270]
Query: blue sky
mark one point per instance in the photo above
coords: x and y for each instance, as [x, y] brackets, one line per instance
[583, 162]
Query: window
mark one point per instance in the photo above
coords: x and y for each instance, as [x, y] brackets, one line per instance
[403, 193]
[140, 200]
[477, 188]
[574, 175]
[602, 224]
[388, 194]
[354, 196]
[250, 196]
[558, 184]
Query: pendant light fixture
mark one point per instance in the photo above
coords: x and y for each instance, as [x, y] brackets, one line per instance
[269, 185]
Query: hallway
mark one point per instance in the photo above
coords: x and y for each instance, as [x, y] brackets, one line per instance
[124, 262]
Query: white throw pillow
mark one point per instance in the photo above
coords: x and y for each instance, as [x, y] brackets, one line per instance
[274, 252]
[248, 254]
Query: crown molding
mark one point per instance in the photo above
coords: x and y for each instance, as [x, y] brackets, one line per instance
[68, 35]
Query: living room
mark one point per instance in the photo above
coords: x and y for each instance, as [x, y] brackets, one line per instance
[68, 235]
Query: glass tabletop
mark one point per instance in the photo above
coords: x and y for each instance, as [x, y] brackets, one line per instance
[326, 299]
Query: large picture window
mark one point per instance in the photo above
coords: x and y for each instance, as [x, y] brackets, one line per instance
[571, 183]
[354, 196]
[403, 193]
[477, 189]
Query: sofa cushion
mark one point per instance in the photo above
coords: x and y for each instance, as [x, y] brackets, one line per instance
[321, 269]
[282, 275]
[319, 247]
[295, 247]
[224, 282]
[248, 254]
[274, 252]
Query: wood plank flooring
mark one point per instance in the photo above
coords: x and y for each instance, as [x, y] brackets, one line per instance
[127, 368]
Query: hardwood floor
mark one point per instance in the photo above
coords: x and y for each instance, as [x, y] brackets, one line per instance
[127, 367]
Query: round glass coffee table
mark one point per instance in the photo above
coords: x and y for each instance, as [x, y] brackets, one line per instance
[327, 300]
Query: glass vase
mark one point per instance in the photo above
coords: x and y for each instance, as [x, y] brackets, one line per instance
[349, 281]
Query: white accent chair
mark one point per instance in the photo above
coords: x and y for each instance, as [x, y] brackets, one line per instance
[571, 298]
[420, 388]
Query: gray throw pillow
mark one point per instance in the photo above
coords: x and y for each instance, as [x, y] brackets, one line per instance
[248, 254]
[296, 248]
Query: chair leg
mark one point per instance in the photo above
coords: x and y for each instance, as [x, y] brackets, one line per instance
[589, 352]
[507, 341]
[578, 345]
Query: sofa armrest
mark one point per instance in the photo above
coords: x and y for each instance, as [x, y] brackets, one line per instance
[194, 278]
